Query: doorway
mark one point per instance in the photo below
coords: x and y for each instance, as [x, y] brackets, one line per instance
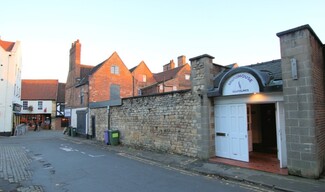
[263, 127]
[93, 126]
[231, 131]
[265, 148]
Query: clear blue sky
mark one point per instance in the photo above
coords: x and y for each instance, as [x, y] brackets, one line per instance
[154, 31]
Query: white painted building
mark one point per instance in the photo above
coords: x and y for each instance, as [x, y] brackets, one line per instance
[41, 103]
[10, 85]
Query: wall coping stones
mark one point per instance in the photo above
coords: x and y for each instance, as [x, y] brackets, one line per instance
[299, 29]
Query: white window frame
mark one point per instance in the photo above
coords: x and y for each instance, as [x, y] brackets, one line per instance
[187, 77]
[115, 69]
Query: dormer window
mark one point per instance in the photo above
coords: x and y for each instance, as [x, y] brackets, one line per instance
[115, 70]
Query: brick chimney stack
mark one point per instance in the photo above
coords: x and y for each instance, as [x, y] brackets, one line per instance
[75, 51]
[169, 66]
[181, 60]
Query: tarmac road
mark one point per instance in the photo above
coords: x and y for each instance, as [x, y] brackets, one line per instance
[51, 161]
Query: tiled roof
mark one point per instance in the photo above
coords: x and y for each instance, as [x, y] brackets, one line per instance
[61, 93]
[133, 68]
[85, 71]
[273, 66]
[167, 75]
[7, 45]
[39, 89]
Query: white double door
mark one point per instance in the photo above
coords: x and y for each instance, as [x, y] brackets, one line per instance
[231, 131]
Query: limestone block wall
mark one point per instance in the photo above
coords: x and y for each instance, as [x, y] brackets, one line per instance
[304, 100]
[202, 72]
[162, 122]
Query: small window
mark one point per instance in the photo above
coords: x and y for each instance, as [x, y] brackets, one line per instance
[144, 78]
[40, 105]
[187, 77]
[161, 86]
[25, 105]
[174, 88]
[82, 96]
[139, 92]
[115, 69]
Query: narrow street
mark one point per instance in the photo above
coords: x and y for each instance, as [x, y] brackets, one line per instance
[50, 161]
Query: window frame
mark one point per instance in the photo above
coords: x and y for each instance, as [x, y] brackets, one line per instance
[25, 105]
[115, 69]
[39, 105]
[82, 96]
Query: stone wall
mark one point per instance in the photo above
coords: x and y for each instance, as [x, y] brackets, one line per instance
[162, 122]
[202, 72]
[100, 118]
[304, 101]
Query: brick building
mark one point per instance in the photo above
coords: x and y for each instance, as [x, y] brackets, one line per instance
[142, 77]
[75, 94]
[171, 79]
[43, 103]
[91, 87]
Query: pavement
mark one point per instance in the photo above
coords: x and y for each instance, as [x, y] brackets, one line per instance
[14, 173]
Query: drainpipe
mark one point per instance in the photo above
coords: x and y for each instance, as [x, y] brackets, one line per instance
[108, 118]
[133, 86]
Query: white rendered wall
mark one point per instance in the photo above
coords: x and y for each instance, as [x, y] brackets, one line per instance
[10, 83]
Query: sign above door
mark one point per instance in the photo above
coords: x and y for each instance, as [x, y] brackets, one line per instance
[241, 83]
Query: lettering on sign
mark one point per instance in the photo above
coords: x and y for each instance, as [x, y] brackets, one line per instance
[241, 83]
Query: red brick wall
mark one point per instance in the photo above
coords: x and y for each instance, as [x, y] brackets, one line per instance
[102, 79]
[150, 90]
[183, 83]
[179, 81]
[72, 94]
[142, 69]
[317, 61]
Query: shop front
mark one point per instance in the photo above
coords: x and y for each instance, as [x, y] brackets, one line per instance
[42, 121]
